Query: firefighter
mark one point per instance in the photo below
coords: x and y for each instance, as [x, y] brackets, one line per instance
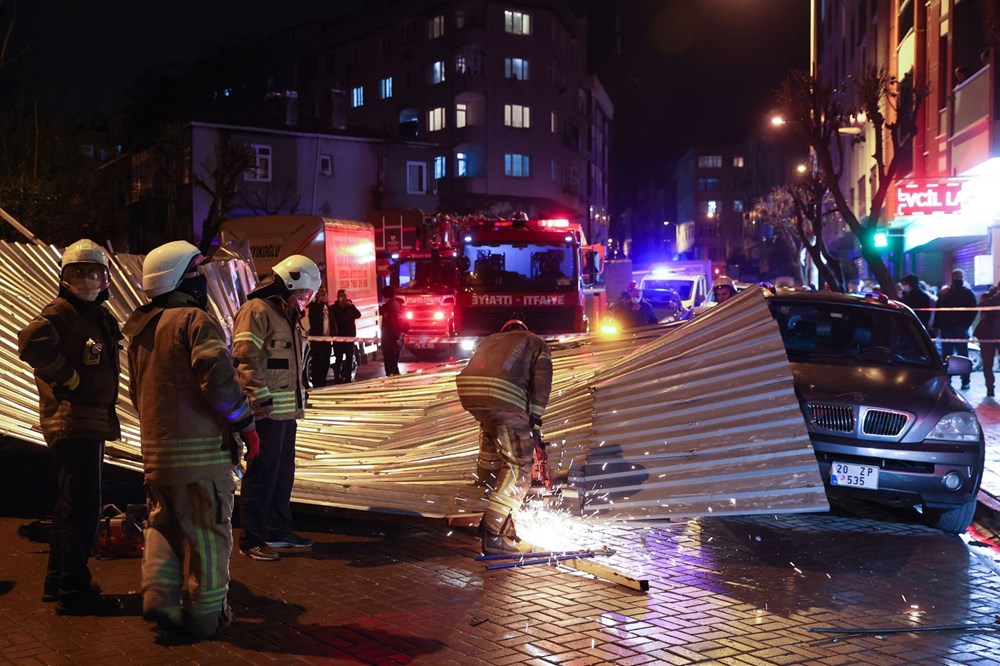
[394, 325]
[505, 386]
[184, 388]
[72, 346]
[268, 350]
[723, 288]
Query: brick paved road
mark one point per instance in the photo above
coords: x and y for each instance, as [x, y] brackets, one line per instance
[723, 590]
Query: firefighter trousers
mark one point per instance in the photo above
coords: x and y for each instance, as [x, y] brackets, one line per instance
[185, 564]
[76, 515]
[506, 447]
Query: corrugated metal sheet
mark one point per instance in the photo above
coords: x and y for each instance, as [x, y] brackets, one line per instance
[405, 445]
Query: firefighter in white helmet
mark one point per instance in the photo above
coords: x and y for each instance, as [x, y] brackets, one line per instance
[505, 386]
[723, 288]
[72, 346]
[184, 388]
[269, 351]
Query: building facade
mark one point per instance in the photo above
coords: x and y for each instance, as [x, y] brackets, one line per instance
[501, 87]
[941, 211]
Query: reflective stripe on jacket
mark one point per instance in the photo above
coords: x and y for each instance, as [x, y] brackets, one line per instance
[510, 371]
[268, 351]
[183, 386]
[71, 336]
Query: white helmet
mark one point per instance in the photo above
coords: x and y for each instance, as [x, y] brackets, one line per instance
[165, 267]
[84, 251]
[724, 281]
[298, 272]
[84, 270]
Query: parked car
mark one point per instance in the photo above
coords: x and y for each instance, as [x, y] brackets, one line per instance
[884, 421]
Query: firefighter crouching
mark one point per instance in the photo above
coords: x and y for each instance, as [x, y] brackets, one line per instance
[269, 350]
[505, 386]
[184, 387]
[72, 346]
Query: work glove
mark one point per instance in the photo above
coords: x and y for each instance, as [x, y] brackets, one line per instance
[63, 391]
[252, 440]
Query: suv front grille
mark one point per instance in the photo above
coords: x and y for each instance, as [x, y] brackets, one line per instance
[839, 418]
[883, 423]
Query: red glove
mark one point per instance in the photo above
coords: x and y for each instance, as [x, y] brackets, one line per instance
[252, 440]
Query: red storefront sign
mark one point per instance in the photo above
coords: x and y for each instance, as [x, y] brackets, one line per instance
[923, 197]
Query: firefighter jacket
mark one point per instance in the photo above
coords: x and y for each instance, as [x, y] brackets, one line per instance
[268, 350]
[509, 371]
[182, 383]
[74, 343]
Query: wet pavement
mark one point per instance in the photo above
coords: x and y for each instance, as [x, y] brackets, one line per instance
[747, 590]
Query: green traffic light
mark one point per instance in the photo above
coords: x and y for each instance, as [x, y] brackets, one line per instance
[881, 239]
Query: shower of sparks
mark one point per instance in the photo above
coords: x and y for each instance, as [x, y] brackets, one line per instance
[549, 528]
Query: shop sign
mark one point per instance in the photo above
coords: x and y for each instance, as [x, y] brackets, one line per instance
[924, 197]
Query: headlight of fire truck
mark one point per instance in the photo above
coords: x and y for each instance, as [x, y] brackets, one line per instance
[438, 315]
[409, 314]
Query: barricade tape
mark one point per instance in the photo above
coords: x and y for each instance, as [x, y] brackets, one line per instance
[438, 339]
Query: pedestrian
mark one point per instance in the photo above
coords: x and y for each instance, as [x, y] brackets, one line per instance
[988, 333]
[72, 347]
[632, 310]
[505, 386]
[184, 388]
[954, 326]
[394, 325]
[320, 324]
[345, 316]
[268, 351]
[916, 298]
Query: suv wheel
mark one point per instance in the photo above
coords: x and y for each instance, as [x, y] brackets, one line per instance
[952, 521]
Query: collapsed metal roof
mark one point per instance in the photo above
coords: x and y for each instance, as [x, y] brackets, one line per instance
[673, 421]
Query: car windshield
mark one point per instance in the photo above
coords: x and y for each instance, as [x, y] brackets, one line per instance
[817, 331]
[427, 273]
[658, 290]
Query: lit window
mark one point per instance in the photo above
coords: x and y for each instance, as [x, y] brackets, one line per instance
[738, 206]
[435, 119]
[435, 27]
[461, 115]
[515, 115]
[261, 170]
[437, 72]
[518, 166]
[416, 178]
[708, 184]
[517, 23]
[709, 161]
[710, 208]
[515, 68]
[386, 87]
[738, 161]
[358, 96]
[439, 167]
[326, 165]
[461, 64]
[552, 122]
[461, 164]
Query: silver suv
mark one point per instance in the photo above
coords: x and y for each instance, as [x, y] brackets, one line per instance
[883, 418]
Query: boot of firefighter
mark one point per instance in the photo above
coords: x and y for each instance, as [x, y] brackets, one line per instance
[504, 542]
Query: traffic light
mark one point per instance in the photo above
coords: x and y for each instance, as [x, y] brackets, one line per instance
[881, 239]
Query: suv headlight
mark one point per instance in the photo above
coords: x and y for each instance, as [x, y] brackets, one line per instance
[956, 427]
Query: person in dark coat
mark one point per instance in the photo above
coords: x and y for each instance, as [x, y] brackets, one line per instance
[320, 324]
[916, 298]
[72, 347]
[632, 310]
[393, 326]
[954, 326]
[344, 314]
[987, 331]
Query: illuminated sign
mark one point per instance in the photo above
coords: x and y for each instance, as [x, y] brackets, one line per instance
[924, 197]
[538, 300]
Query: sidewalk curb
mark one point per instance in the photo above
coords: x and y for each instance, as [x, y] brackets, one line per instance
[988, 512]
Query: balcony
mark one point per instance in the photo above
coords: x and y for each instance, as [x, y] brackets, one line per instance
[970, 136]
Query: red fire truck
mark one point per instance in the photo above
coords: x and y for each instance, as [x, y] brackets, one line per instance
[462, 278]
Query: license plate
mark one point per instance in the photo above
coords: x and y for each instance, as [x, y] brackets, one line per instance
[854, 476]
[422, 345]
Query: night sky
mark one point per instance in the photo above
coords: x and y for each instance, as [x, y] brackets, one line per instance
[687, 71]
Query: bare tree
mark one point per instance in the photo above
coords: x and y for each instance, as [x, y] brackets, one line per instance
[819, 113]
[232, 160]
[269, 203]
[167, 161]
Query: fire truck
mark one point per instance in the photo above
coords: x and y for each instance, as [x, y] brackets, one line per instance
[461, 278]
